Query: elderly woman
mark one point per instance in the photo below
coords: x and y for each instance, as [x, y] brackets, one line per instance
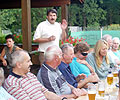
[4, 95]
[99, 59]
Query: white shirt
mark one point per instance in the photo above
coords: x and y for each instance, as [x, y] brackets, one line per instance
[45, 30]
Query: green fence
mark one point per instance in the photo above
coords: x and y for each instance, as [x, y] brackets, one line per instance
[91, 37]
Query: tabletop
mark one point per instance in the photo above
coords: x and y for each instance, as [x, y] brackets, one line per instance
[111, 93]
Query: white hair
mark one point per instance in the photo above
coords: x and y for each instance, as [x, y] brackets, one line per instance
[17, 56]
[116, 39]
[65, 47]
[106, 37]
[50, 52]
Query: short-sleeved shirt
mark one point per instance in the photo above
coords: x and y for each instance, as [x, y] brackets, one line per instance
[25, 88]
[78, 68]
[4, 95]
[102, 71]
[70, 78]
[53, 80]
[44, 30]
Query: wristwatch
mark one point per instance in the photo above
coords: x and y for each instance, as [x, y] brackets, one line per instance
[64, 98]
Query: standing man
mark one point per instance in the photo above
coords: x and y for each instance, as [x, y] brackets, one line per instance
[49, 32]
[24, 85]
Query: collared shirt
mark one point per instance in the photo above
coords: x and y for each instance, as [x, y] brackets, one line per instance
[53, 80]
[25, 88]
[78, 68]
[44, 30]
[70, 78]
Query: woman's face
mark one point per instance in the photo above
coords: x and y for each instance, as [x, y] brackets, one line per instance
[103, 50]
[9, 42]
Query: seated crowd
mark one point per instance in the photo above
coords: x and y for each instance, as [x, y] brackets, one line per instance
[65, 74]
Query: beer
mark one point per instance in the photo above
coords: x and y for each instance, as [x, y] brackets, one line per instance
[110, 79]
[101, 92]
[115, 74]
[91, 92]
[91, 95]
[101, 88]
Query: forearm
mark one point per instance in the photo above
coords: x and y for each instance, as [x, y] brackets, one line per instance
[69, 96]
[41, 40]
[82, 83]
[52, 96]
[63, 35]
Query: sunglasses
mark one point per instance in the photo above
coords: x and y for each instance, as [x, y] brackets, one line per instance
[84, 54]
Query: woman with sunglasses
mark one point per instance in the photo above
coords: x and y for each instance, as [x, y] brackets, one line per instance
[99, 59]
[79, 64]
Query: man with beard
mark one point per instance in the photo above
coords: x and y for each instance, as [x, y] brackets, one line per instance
[49, 32]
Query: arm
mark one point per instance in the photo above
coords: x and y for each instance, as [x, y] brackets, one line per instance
[42, 40]
[18, 93]
[2, 57]
[63, 26]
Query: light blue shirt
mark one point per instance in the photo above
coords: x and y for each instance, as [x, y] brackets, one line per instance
[78, 68]
[102, 71]
[4, 95]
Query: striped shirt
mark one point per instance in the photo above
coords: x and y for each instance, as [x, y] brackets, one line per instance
[25, 88]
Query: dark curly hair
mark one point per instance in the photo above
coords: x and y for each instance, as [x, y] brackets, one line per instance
[81, 47]
[9, 36]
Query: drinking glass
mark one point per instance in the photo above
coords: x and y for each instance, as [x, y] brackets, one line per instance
[91, 92]
[101, 88]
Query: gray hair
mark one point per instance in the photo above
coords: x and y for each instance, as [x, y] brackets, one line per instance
[51, 51]
[17, 56]
[106, 36]
[65, 47]
[117, 39]
[1, 76]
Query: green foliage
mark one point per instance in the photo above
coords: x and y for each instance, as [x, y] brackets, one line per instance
[112, 27]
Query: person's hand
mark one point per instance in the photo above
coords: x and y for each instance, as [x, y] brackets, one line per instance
[80, 76]
[79, 92]
[4, 63]
[52, 38]
[93, 78]
[64, 24]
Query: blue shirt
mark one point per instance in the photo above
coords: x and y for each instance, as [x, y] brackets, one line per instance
[70, 78]
[117, 54]
[78, 68]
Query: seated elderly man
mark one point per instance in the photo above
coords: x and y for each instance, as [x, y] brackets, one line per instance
[68, 55]
[50, 76]
[4, 95]
[24, 85]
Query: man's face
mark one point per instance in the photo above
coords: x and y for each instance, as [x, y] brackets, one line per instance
[25, 66]
[9, 42]
[69, 55]
[52, 17]
[115, 45]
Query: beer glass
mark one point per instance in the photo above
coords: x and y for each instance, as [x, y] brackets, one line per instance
[101, 88]
[91, 92]
[115, 72]
[109, 79]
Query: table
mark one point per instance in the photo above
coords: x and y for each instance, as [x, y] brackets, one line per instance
[113, 93]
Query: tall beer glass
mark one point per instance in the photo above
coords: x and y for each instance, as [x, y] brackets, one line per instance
[101, 88]
[91, 92]
[109, 79]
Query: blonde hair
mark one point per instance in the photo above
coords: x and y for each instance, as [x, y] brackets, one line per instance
[1, 76]
[98, 46]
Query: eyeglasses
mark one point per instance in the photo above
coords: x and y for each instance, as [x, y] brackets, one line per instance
[84, 54]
